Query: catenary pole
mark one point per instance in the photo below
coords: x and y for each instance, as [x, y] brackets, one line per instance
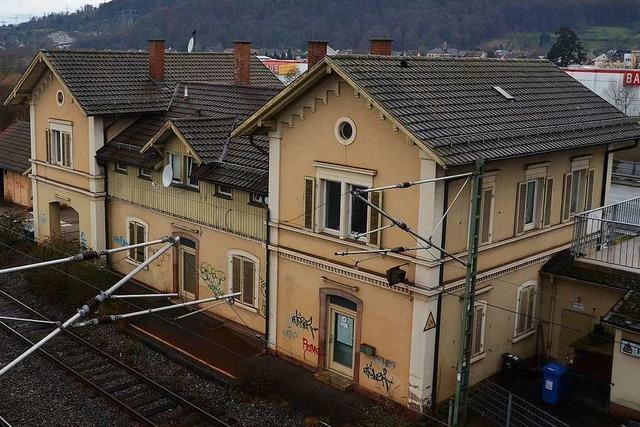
[82, 256]
[466, 325]
[92, 304]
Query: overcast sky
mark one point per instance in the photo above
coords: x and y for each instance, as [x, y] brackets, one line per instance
[27, 8]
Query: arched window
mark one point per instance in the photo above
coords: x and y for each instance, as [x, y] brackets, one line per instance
[243, 274]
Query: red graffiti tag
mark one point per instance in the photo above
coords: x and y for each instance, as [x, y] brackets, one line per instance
[310, 347]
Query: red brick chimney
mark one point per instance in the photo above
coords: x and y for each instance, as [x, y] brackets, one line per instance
[316, 52]
[242, 58]
[380, 47]
[156, 60]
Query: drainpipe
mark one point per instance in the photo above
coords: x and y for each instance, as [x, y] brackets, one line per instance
[606, 169]
[436, 352]
[266, 281]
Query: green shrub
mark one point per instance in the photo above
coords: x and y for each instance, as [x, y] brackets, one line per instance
[67, 285]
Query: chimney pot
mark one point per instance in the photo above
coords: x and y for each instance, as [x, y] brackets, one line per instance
[156, 60]
[242, 58]
[380, 47]
[316, 51]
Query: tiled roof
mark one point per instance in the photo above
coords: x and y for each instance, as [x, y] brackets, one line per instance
[451, 105]
[15, 147]
[105, 82]
[205, 118]
[626, 313]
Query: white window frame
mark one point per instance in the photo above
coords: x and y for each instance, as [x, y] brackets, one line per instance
[526, 332]
[169, 155]
[118, 167]
[60, 128]
[347, 177]
[223, 193]
[139, 221]
[188, 170]
[581, 167]
[256, 278]
[260, 199]
[141, 172]
[482, 353]
[534, 214]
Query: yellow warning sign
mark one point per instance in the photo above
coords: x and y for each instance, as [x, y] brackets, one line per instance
[431, 323]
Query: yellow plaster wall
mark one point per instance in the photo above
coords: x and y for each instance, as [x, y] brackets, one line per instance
[386, 323]
[625, 374]
[212, 258]
[499, 329]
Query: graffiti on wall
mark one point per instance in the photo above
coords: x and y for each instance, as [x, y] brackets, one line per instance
[213, 278]
[302, 322]
[380, 376]
[162, 258]
[262, 311]
[310, 347]
[83, 240]
[120, 240]
[289, 333]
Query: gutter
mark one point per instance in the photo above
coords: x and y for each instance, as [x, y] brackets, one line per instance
[606, 169]
[266, 281]
[436, 351]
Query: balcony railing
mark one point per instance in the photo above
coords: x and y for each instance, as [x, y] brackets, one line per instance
[609, 234]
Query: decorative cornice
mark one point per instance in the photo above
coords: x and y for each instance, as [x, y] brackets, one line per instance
[343, 271]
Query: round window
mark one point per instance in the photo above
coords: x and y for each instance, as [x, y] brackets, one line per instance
[345, 131]
[60, 98]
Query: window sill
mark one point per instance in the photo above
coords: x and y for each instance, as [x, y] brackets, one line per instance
[257, 205]
[523, 336]
[247, 307]
[478, 357]
[121, 172]
[185, 187]
[146, 178]
[135, 263]
[222, 196]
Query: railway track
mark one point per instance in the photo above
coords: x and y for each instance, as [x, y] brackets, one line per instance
[146, 401]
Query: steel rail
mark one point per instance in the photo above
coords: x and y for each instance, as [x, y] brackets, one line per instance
[118, 364]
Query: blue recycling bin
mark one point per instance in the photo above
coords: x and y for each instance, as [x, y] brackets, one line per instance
[555, 383]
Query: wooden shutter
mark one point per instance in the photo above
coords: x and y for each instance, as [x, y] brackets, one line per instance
[375, 218]
[309, 202]
[132, 240]
[140, 239]
[478, 319]
[485, 225]
[522, 304]
[248, 274]
[236, 275]
[66, 149]
[530, 302]
[548, 199]
[589, 196]
[520, 207]
[47, 139]
[566, 198]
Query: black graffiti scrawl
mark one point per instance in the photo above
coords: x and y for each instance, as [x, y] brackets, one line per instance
[303, 323]
[380, 376]
[213, 278]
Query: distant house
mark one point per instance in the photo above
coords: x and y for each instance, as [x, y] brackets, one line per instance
[15, 146]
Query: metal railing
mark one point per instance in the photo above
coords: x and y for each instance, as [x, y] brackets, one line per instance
[609, 234]
[504, 408]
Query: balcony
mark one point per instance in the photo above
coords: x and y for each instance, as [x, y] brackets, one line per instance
[609, 235]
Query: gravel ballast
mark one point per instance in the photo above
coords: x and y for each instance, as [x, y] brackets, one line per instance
[38, 393]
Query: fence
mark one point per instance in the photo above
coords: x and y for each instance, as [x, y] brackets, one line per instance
[504, 408]
[608, 234]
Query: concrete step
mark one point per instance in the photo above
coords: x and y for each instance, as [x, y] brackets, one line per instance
[334, 380]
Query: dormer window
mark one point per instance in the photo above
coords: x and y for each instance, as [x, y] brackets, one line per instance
[175, 160]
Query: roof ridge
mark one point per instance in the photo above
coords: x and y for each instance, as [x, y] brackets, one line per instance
[443, 59]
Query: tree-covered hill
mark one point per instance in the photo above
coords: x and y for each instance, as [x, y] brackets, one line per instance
[413, 24]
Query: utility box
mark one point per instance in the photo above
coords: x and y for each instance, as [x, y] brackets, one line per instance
[555, 383]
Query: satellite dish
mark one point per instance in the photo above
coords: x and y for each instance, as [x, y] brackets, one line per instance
[192, 42]
[167, 175]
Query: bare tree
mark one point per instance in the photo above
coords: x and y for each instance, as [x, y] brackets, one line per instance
[621, 95]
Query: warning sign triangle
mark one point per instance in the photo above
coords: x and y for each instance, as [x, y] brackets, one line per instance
[431, 323]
